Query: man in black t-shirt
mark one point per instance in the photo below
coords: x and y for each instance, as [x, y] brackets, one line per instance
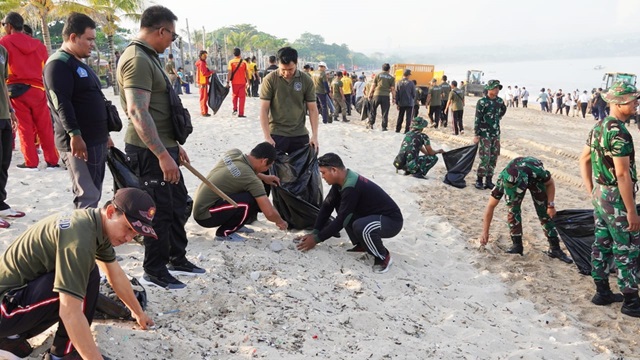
[365, 211]
[78, 107]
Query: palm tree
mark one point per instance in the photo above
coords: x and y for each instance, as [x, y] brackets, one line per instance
[108, 13]
[42, 12]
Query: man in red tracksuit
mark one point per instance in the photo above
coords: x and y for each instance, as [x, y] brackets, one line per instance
[238, 75]
[202, 77]
[27, 57]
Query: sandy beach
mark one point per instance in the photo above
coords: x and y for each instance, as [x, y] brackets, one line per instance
[444, 297]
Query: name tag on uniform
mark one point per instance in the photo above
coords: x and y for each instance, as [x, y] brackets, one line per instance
[82, 72]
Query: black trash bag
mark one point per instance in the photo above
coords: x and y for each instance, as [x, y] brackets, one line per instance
[217, 93]
[300, 211]
[123, 176]
[576, 228]
[365, 108]
[109, 306]
[299, 175]
[459, 163]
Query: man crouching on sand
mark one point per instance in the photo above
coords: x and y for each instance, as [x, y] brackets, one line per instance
[365, 211]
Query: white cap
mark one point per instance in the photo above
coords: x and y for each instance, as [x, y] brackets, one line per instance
[322, 63]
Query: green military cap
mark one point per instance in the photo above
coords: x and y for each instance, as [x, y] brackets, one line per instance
[621, 93]
[492, 84]
[419, 123]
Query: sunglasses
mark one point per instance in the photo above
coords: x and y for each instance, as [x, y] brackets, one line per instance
[174, 35]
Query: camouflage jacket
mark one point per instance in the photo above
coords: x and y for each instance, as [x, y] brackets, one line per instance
[489, 112]
[520, 174]
[412, 143]
[609, 138]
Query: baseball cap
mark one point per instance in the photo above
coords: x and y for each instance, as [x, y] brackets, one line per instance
[138, 208]
[492, 84]
[322, 63]
[621, 93]
[407, 72]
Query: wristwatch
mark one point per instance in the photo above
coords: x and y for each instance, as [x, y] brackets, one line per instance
[551, 204]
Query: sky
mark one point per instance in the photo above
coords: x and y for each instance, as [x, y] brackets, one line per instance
[367, 27]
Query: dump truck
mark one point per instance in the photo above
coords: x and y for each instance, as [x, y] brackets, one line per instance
[611, 77]
[474, 84]
[421, 73]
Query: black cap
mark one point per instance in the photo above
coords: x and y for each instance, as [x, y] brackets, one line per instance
[138, 208]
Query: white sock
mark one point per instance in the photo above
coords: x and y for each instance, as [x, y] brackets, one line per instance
[13, 337]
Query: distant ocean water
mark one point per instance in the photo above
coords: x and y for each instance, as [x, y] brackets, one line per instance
[565, 74]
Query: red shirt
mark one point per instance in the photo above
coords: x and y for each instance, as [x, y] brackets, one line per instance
[202, 72]
[27, 57]
[240, 77]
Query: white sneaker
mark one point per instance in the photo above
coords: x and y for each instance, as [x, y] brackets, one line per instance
[233, 238]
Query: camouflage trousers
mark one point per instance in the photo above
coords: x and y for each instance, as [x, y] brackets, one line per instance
[488, 150]
[341, 107]
[421, 165]
[612, 240]
[514, 216]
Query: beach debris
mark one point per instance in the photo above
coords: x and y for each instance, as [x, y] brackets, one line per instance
[255, 275]
[174, 311]
[276, 246]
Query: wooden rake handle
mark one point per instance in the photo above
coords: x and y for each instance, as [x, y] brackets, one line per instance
[208, 183]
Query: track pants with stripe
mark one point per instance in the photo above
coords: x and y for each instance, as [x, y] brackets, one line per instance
[229, 219]
[31, 310]
[369, 231]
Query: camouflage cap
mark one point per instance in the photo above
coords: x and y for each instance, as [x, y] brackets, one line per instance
[419, 123]
[621, 93]
[492, 84]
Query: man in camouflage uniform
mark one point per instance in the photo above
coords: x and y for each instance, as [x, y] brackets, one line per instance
[609, 155]
[489, 111]
[414, 143]
[520, 174]
[337, 94]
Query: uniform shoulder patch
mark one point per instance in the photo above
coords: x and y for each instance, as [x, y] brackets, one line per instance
[64, 221]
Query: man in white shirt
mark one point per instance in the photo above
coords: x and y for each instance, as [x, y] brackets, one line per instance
[584, 102]
[516, 95]
[525, 97]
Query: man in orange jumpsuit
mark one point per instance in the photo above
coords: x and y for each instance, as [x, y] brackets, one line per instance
[238, 75]
[202, 78]
[27, 57]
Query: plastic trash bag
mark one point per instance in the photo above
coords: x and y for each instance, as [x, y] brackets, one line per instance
[109, 305]
[459, 163]
[123, 176]
[217, 93]
[363, 106]
[300, 177]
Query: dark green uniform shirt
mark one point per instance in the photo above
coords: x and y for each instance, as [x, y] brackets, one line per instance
[319, 80]
[383, 83]
[233, 175]
[520, 174]
[610, 138]
[336, 85]
[67, 244]
[4, 75]
[139, 69]
[456, 96]
[436, 95]
[289, 99]
[446, 89]
[489, 112]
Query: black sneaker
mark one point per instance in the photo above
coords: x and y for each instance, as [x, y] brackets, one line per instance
[15, 348]
[53, 167]
[24, 167]
[166, 281]
[235, 112]
[382, 266]
[185, 268]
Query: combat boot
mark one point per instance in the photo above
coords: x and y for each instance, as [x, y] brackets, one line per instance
[479, 184]
[344, 118]
[516, 248]
[604, 295]
[631, 305]
[555, 252]
[489, 184]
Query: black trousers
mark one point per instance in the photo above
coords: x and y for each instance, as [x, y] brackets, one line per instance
[405, 113]
[171, 205]
[583, 108]
[229, 219]
[6, 143]
[33, 309]
[457, 121]
[524, 103]
[416, 111]
[434, 115]
[444, 118]
[369, 231]
[385, 104]
[347, 100]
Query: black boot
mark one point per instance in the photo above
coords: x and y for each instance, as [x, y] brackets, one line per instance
[604, 295]
[489, 184]
[479, 184]
[344, 118]
[631, 305]
[516, 248]
[555, 252]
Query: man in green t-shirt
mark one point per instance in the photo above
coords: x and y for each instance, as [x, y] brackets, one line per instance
[382, 94]
[455, 102]
[152, 150]
[434, 103]
[48, 275]
[241, 177]
[337, 94]
[609, 157]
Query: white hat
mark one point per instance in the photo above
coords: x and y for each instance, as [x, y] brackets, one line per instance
[322, 63]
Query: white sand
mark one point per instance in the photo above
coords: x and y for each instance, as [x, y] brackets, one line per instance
[442, 298]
